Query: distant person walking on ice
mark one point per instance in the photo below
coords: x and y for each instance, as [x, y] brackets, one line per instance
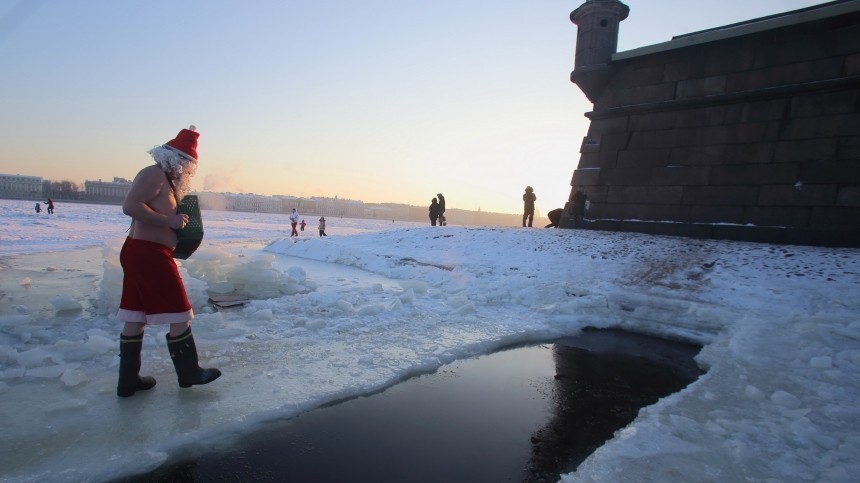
[441, 209]
[294, 220]
[303, 225]
[50, 204]
[322, 226]
[434, 211]
[38, 207]
[529, 199]
[152, 289]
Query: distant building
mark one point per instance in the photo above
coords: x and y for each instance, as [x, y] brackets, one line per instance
[115, 190]
[253, 203]
[21, 187]
[326, 206]
[749, 131]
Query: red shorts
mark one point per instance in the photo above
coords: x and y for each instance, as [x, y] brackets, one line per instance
[152, 290]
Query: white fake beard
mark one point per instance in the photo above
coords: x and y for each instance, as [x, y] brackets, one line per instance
[178, 168]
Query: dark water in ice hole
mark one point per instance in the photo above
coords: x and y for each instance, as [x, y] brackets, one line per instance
[525, 413]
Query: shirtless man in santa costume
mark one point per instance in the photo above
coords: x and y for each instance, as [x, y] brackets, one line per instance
[152, 290]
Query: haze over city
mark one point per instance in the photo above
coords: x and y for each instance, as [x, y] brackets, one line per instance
[381, 101]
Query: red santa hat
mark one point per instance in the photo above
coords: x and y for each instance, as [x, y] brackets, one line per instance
[185, 143]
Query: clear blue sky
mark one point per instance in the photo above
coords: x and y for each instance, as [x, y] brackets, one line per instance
[380, 100]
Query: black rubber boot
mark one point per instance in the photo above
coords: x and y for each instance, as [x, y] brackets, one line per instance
[183, 352]
[129, 366]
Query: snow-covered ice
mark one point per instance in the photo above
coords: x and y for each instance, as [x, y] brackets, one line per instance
[375, 302]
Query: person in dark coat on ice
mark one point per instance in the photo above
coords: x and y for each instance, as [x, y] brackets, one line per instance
[529, 199]
[441, 209]
[434, 211]
[554, 217]
[579, 202]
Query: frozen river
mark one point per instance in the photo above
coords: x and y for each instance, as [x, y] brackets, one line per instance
[376, 302]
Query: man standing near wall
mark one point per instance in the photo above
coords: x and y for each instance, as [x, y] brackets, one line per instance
[529, 199]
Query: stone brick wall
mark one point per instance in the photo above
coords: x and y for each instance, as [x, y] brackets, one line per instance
[754, 137]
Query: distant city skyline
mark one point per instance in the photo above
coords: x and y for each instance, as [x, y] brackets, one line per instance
[30, 187]
[381, 101]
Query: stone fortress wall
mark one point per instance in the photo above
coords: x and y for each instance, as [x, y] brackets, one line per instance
[749, 131]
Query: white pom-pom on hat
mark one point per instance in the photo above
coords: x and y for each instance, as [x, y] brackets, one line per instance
[192, 128]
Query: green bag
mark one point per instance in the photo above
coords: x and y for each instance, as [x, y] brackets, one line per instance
[189, 238]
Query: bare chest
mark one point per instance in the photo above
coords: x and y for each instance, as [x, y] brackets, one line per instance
[164, 202]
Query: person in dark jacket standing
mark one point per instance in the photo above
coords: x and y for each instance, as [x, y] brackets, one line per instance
[441, 209]
[434, 211]
[529, 199]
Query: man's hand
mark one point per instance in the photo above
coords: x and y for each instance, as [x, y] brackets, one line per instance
[178, 221]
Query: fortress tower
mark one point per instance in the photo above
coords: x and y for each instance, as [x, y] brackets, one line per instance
[596, 40]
